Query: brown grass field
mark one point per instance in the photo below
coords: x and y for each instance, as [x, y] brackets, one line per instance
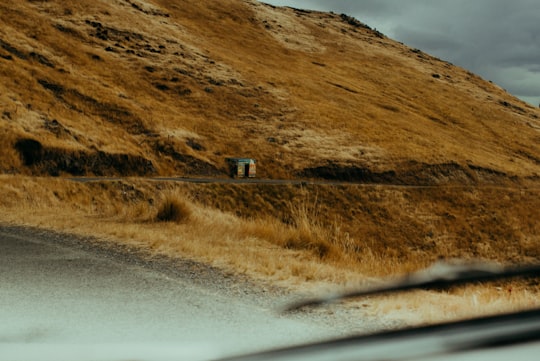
[298, 238]
[441, 163]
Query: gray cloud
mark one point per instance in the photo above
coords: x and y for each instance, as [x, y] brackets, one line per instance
[439, 42]
[498, 39]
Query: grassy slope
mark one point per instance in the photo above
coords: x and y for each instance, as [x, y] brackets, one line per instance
[185, 84]
[173, 87]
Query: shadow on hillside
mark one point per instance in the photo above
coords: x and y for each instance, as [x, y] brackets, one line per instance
[410, 173]
[54, 161]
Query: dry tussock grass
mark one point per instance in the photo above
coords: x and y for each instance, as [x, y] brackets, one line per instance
[422, 307]
[173, 208]
[286, 29]
[307, 250]
[10, 161]
[207, 72]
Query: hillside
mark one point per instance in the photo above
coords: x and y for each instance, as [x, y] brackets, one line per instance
[155, 87]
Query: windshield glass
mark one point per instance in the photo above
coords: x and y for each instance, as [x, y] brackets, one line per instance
[174, 174]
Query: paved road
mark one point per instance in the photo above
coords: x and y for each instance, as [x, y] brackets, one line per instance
[211, 180]
[305, 182]
[61, 301]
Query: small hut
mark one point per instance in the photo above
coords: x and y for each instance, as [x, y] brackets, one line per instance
[242, 167]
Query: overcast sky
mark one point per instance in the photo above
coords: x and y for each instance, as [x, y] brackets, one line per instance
[497, 39]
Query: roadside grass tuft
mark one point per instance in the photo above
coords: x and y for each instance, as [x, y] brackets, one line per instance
[174, 208]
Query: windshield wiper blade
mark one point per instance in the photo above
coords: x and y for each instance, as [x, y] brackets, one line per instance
[456, 338]
[441, 275]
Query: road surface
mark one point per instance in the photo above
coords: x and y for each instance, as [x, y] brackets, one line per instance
[62, 300]
[305, 182]
[212, 180]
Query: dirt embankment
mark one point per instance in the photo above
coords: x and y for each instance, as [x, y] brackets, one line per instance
[55, 161]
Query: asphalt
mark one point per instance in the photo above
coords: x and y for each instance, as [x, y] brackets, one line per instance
[305, 182]
[60, 298]
[211, 180]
